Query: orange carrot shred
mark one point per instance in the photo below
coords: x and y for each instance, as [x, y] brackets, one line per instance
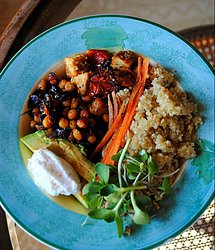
[130, 111]
[110, 112]
[115, 105]
[111, 130]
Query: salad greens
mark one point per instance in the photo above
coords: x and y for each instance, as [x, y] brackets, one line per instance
[132, 189]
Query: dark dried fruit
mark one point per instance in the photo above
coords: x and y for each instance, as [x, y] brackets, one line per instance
[52, 78]
[97, 57]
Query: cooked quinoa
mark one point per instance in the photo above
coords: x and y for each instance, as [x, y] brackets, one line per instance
[165, 122]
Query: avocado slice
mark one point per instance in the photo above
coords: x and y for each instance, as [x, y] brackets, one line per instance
[65, 150]
[34, 141]
[72, 155]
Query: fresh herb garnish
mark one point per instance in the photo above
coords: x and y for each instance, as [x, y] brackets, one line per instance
[131, 189]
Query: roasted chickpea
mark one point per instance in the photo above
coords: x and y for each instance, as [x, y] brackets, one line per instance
[105, 117]
[73, 124]
[37, 118]
[47, 122]
[72, 114]
[91, 139]
[62, 83]
[42, 84]
[86, 98]
[63, 123]
[77, 134]
[32, 123]
[69, 86]
[84, 113]
[66, 103]
[74, 103]
[35, 111]
[82, 123]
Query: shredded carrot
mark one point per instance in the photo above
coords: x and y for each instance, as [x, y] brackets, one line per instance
[110, 112]
[139, 66]
[115, 105]
[109, 152]
[111, 130]
[130, 111]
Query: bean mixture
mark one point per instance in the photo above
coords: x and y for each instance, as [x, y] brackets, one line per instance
[75, 107]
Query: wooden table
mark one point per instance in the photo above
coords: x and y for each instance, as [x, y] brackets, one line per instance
[36, 16]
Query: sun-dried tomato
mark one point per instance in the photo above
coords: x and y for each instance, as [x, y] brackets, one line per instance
[96, 56]
[101, 84]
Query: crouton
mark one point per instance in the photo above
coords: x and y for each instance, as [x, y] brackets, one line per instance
[81, 81]
[123, 59]
[75, 65]
[98, 107]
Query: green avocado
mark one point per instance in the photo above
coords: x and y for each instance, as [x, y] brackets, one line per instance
[34, 141]
[64, 149]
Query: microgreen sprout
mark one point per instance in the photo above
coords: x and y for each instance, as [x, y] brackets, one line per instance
[131, 189]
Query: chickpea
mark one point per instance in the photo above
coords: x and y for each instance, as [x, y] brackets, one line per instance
[82, 123]
[37, 118]
[69, 86]
[32, 124]
[91, 139]
[105, 117]
[86, 98]
[73, 124]
[65, 111]
[63, 123]
[66, 103]
[62, 84]
[35, 111]
[74, 103]
[77, 134]
[42, 84]
[84, 113]
[47, 122]
[72, 114]
[92, 122]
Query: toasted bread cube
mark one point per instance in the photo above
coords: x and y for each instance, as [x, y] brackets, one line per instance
[123, 59]
[75, 65]
[82, 81]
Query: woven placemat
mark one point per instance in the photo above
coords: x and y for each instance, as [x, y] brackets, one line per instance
[203, 39]
[200, 236]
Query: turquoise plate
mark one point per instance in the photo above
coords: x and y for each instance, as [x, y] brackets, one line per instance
[57, 226]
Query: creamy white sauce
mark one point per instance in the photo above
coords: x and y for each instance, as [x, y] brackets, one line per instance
[53, 174]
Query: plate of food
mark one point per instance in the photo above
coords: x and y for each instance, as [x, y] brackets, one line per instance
[106, 134]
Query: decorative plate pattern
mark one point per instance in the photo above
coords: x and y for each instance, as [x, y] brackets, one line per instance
[59, 227]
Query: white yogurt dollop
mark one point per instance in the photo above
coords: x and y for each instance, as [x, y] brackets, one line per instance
[53, 174]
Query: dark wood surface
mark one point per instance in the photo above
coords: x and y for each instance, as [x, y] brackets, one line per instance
[35, 17]
[5, 243]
